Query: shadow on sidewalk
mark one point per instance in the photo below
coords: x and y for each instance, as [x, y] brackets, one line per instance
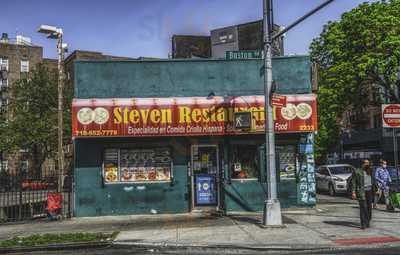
[342, 223]
[257, 219]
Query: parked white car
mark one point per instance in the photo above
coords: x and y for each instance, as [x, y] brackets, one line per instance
[333, 178]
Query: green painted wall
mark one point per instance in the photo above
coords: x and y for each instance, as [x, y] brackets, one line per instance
[172, 78]
[244, 196]
[250, 195]
[93, 198]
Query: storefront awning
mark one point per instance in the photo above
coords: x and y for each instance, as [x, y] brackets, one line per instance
[183, 116]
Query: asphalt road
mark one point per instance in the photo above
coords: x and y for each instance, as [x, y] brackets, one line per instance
[131, 250]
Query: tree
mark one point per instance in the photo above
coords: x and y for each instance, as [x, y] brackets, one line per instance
[358, 57]
[32, 117]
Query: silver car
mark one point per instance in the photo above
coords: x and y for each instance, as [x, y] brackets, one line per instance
[333, 178]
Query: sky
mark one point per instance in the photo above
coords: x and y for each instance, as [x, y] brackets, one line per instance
[135, 28]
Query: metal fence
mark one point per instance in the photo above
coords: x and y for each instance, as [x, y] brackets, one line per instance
[24, 197]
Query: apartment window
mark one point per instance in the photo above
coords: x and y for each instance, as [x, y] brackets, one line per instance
[3, 63]
[4, 166]
[24, 66]
[3, 105]
[3, 82]
[377, 121]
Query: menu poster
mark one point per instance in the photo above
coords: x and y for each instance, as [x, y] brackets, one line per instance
[111, 165]
[145, 164]
[137, 165]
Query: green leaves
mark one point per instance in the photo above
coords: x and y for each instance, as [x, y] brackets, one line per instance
[32, 120]
[357, 56]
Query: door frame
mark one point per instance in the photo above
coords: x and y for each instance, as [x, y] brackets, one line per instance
[217, 179]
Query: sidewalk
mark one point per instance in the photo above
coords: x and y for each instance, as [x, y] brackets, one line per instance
[334, 223]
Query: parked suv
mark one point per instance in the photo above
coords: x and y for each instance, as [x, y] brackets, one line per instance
[333, 178]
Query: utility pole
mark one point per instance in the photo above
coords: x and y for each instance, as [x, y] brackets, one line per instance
[57, 33]
[272, 207]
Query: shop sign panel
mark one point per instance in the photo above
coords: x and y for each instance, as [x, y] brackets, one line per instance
[391, 115]
[183, 116]
[278, 100]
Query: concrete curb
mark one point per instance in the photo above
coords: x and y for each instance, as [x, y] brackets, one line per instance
[56, 247]
[272, 247]
[199, 246]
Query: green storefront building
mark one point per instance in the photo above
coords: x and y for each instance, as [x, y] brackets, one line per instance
[160, 136]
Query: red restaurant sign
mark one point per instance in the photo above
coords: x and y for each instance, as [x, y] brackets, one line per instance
[278, 100]
[183, 116]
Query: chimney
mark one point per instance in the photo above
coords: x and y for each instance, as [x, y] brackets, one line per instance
[4, 38]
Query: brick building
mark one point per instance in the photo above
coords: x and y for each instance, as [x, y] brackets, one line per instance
[18, 56]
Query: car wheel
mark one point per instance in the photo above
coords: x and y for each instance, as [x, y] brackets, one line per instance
[332, 191]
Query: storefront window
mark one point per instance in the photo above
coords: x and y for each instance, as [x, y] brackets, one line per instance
[287, 161]
[245, 162]
[137, 165]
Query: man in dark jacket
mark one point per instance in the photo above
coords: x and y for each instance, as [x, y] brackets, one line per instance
[362, 191]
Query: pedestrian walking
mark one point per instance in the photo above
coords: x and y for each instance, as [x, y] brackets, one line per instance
[382, 180]
[362, 191]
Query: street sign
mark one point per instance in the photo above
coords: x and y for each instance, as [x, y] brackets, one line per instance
[242, 120]
[391, 115]
[243, 54]
[278, 100]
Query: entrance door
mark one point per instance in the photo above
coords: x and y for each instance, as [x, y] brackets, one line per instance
[205, 169]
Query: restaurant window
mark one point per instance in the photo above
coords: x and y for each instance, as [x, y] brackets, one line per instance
[286, 161]
[130, 165]
[245, 162]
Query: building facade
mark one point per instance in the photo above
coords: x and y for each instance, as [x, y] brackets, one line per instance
[363, 137]
[159, 137]
[242, 37]
[18, 56]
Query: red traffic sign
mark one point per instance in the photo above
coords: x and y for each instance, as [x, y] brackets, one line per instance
[278, 100]
[391, 115]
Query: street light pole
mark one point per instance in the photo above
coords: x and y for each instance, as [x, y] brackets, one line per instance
[272, 208]
[60, 111]
[57, 33]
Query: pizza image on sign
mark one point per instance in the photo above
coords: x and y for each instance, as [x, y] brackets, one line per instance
[85, 116]
[289, 112]
[101, 115]
[303, 111]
